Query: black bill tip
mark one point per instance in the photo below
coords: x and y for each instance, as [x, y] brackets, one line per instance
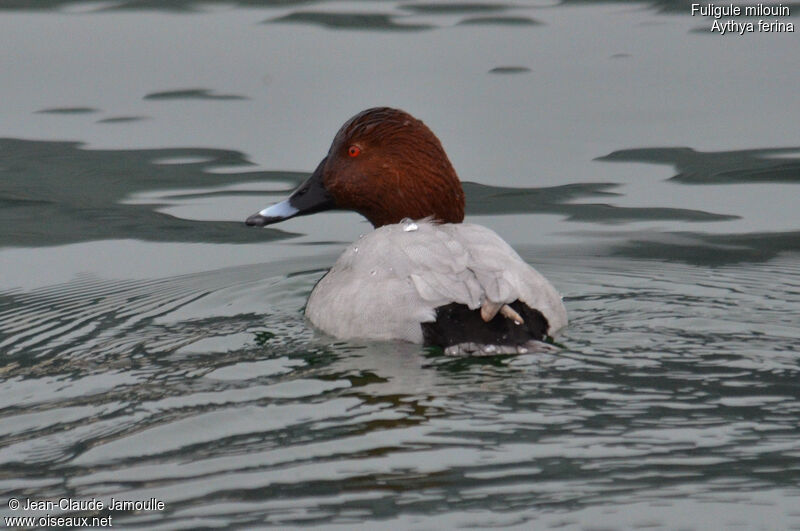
[256, 220]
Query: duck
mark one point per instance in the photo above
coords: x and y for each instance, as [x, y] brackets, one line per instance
[422, 275]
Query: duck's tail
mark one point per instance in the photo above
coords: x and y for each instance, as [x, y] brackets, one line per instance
[511, 329]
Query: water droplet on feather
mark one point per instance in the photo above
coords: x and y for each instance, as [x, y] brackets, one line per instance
[409, 225]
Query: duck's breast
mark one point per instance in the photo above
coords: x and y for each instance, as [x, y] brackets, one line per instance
[391, 280]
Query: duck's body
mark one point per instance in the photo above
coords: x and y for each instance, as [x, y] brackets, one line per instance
[421, 275]
[392, 280]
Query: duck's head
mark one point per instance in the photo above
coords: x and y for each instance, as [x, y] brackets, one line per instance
[384, 164]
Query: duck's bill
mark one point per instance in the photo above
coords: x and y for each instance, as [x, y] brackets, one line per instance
[309, 198]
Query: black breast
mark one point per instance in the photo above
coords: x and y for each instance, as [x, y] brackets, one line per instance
[456, 323]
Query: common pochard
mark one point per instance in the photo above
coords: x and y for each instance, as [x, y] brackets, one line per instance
[422, 275]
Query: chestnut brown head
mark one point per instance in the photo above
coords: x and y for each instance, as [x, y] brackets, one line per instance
[384, 164]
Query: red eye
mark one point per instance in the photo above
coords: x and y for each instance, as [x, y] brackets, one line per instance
[353, 151]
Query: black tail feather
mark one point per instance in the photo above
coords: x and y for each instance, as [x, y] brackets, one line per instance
[456, 323]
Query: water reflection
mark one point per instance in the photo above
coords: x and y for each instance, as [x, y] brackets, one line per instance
[456, 8]
[192, 94]
[350, 21]
[121, 119]
[62, 193]
[500, 21]
[509, 70]
[96, 205]
[709, 249]
[482, 199]
[768, 165]
[68, 110]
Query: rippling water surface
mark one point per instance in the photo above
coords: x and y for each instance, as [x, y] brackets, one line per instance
[154, 347]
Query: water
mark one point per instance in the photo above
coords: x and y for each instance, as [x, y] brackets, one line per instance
[154, 347]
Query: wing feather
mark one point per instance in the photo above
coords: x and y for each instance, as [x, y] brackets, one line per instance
[398, 277]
